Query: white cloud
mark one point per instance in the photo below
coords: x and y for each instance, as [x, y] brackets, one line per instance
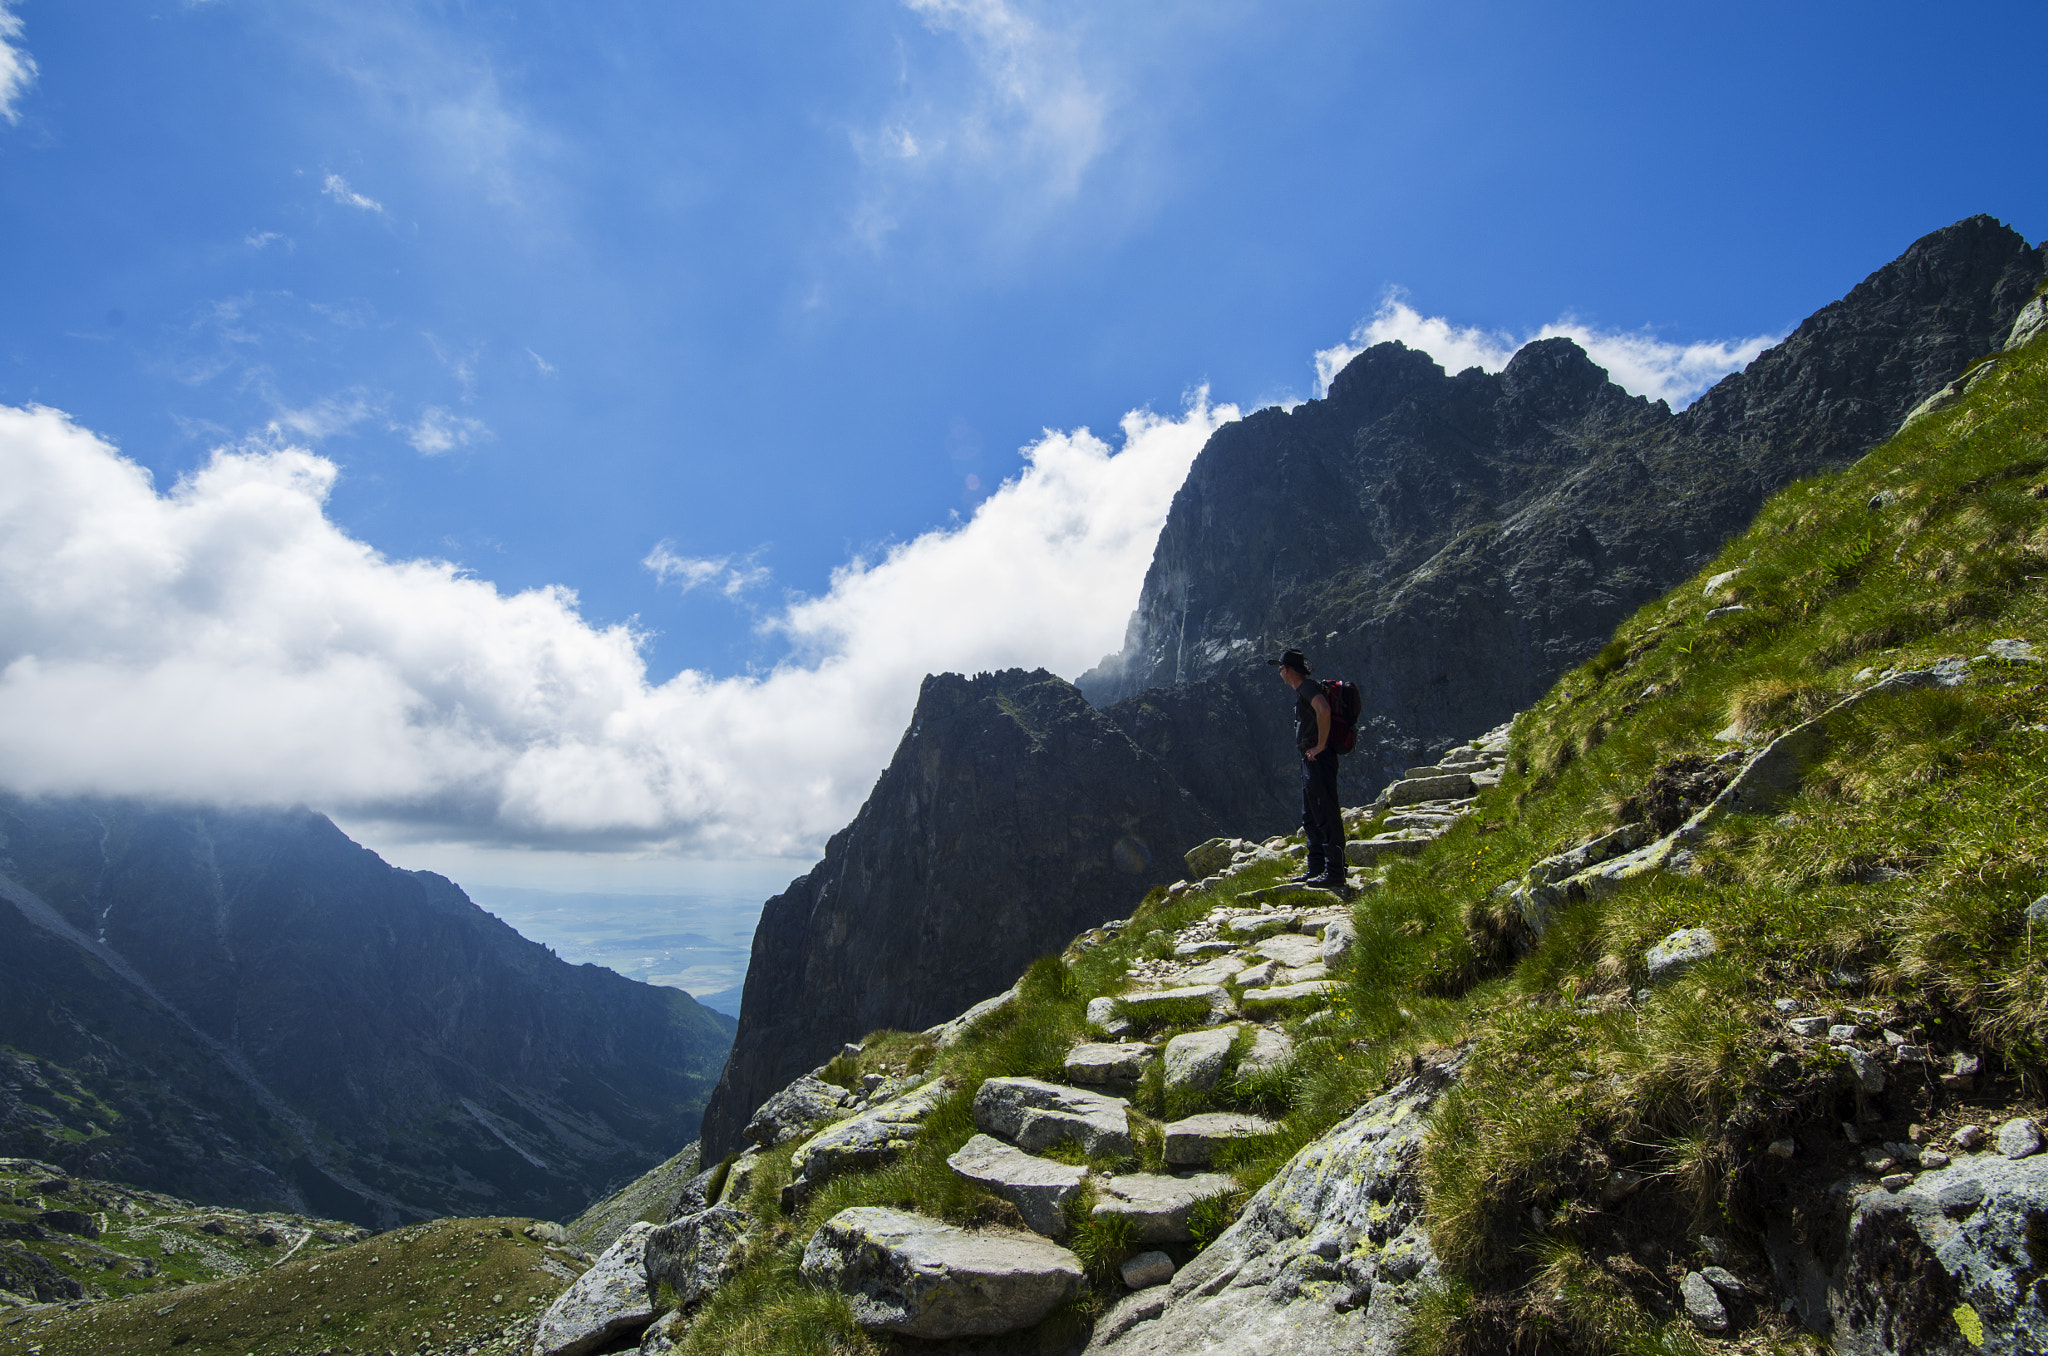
[1638, 362]
[17, 67]
[322, 419]
[693, 572]
[227, 641]
[337, 188]
[258, 240]
[438, 431]
[542, 365]
[1031, 118]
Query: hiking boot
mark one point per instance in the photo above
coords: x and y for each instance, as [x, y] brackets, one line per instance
[1315, 872]
[1336, 880]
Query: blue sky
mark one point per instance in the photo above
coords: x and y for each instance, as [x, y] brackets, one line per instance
[732, 320]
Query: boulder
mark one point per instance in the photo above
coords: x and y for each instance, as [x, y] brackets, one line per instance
[946, 1034]
[906, 1274]
[1098, 1063]
[739, 1179]
[1126, 1314]
[696, 1254]
[1945, 1263]
[1196, 1059]
[1678, 952]
[1257, 976]
[1035, 1115]
[1211, 857]
[1145, 1270]
[1290, 949]
[1331, 1255]
[1193, 1142]
[1158, 1207]
[865, 1141]
[606, 1307]
[791, 1113]
[1038, 1187]
[1448, 786]
[75, 1222]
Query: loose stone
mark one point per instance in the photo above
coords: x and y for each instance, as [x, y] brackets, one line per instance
[1702, 1304]
[1147, 1269]
[2018, 1138]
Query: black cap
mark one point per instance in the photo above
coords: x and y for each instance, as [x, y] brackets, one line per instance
[1291, 659]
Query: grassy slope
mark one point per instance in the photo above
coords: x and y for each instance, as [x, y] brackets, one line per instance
[1907, 860]
[471, 1285]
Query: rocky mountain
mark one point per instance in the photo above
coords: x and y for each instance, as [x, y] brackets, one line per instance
[1451, 543]
[1011, 811]
[1700, 1007]
[248, 1008]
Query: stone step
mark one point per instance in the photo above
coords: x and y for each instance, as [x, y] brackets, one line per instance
[1193, 1142]
[903, 1273]
[1038, 1187]
[1097, 1063]
[1158, 1206]
[1197, 1058]
[1035, 1115]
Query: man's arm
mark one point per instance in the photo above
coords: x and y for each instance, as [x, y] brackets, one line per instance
[1322, 706]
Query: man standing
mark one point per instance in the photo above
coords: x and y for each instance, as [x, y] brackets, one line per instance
[1322, 822]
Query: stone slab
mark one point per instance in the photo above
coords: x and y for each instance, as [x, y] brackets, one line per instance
[903, 1273]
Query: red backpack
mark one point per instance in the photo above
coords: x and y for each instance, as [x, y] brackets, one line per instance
[1345, 705]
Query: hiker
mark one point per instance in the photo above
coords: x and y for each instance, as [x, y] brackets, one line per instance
[1322, 822]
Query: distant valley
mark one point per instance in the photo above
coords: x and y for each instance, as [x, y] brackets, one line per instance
[697, 943]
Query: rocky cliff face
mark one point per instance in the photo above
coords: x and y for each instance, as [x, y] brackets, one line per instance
[1454, 542]
[250, 1008]
[1012, 816]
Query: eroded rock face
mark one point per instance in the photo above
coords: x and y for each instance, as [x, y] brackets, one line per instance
[906, 1274]
[1946, 1265]
[1013, 817]
[1328, 1256]
[607, 1305]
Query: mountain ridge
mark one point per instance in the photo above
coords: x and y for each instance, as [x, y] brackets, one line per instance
[264, 1012]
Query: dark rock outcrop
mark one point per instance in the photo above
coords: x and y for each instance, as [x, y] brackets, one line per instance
[1454, 542]
[248, 1008]
[1013, 816]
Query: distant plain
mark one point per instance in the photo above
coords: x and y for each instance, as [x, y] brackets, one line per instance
[698, 943]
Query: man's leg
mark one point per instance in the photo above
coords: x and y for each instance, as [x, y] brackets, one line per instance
[1323, 793]
[1313, 828]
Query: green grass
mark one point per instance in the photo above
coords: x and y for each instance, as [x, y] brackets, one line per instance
[476, 1284]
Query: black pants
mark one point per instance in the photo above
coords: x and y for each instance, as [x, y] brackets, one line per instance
[1322, 820]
